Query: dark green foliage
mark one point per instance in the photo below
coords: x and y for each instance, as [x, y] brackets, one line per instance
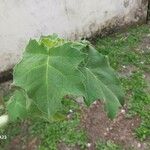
[53, 68]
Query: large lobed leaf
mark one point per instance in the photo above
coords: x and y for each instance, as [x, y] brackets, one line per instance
[47, 74]
[53, 68]
[101, 82]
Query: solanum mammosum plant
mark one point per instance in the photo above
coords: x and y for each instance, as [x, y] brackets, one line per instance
[52, 68]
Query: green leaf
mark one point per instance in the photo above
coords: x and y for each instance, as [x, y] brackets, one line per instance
[51, 41]
[101, 82]
[48, 74]
[18, 105]
[53, 68]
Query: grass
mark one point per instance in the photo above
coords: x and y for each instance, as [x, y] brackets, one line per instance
[120, 47]
[122, 52]
[51, 134]
[109, 145]
[67, 132]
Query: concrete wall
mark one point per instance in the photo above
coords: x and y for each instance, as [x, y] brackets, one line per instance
[21, 20]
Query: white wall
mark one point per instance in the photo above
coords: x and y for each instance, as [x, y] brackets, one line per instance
[21, 20]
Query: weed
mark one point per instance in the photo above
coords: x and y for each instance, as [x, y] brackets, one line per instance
[109, 145]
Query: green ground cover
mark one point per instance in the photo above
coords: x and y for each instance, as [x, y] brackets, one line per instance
[124, 54]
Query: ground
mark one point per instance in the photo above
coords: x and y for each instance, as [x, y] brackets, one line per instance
[90, 128]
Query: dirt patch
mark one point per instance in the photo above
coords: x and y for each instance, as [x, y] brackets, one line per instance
[5, 88]
[120, 130]
[144, 47]
[145, 44]
[127, 70]
[18, 143]
[147, 78]
[23, 141]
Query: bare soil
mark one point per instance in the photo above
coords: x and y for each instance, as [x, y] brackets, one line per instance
[120, 130]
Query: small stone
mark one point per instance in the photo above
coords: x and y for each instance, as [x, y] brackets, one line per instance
[132, 145]
[124, 66]
[139, 145]
[144, 76]
[71, 111]
[89, 144]
[69, 116]
[148, 35]
[105, 133]
[3, 120]
[95, 102]
[142, 62]
[80, 100]
[107, 129]
[123, 111]
[110, 128]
